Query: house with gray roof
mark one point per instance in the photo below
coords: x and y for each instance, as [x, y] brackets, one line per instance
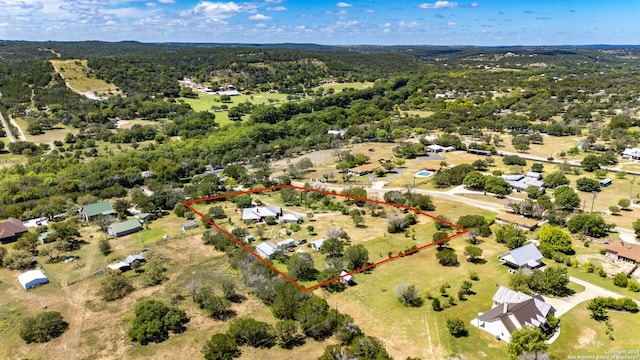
[513, 310]
[525, 257]
[520, 183]
[10, 230]
[267, 250]
[259, 213]
[90, 211]
[124, 228]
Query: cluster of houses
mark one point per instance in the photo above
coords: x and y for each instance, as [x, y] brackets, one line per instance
[126, 264]
[261, 213]
[117, 229]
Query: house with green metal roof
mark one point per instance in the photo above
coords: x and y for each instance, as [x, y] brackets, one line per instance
[90, 211]
[124, 228]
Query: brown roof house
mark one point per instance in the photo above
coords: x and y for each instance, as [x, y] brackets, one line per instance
[10, 230]
[623, 251]
[363, 169]
[513, 310]
[517, 220]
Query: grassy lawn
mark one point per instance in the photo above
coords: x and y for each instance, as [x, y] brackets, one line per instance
[338, 87]
[75, 72]
[602, 282]
[57, 133]
[581, 335]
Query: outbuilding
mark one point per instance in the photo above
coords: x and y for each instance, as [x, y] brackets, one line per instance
[124, 228]
[32, 278]
[605, 182]
[267, 250]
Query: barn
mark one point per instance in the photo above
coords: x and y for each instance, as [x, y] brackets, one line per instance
[32, 278]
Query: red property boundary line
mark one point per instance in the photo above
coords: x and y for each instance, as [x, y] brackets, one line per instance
[272, 188]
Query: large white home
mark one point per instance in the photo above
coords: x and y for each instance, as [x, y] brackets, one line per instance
[259, 213]
[513, 310]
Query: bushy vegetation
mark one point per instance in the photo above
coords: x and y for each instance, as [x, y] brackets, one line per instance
[154, 321]
[43, 327]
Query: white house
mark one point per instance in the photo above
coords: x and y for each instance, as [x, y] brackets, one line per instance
[267, 250]
[261, 212]
[631, 153]
[32, 278]
[317, 244]
[513, 310]
[291, 218]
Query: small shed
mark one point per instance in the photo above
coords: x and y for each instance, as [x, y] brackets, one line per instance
[32, 278]
[249, 239]
[189, 225]
[345, 278]
[291, 218]
[317, 244]
[605, 182]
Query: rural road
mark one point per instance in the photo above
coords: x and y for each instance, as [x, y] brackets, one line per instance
[21, 136]
[7, 129]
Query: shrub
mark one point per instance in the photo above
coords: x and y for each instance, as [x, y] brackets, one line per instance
[621, 280]
[220, 347]
[447, 257]
[154, 320]
[435, 304]
[114, 286]
[43, 327]
[408, 295]
[456, 327]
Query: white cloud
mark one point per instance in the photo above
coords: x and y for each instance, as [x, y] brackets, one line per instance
[338, 13]
[451, 23]
[386, 25]
[261, 25]
[259, 17]
[475, 4]
[369, 11]
[277, 8]
[343, 4]
[274, 1]
[151, 4]
[216, 10]
[439, 5]
[404, 24]
[167, 1]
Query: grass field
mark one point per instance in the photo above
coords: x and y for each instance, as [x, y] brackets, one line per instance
[581, 335]
[204, 102]
[57, 133]
[341, 86]
[75, 73]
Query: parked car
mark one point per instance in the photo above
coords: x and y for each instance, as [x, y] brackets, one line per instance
[301, 241]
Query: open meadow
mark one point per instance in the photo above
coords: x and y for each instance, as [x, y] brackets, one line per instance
[76, 73]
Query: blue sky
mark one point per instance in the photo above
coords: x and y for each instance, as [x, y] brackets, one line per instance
[428, 22]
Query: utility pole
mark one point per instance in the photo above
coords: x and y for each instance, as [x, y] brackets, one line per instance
[595, 194]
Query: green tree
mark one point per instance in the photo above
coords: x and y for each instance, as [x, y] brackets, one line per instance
[43, 327]
[566, 198]
[456, 327]
[28, 241]
[472, 253]
[537, 167]
[496, 185]
[553, 238]
[247, 331]
[220, 347]
[621, 280]
[474, 180]
[288, 334]
[243, 201]
[114, 286]
[533, 192]
[17, 260]
[367, 347]
[154, 320]
[510, 235]
[216, 307]
[624, 203]
[447, 257]
[635, 225]
[154, 272]
[287, 300]
[332, 247]
[435, 304]
[357, 256]
[301, 268]
[105, 247]
[590, 163]
[588, 224]
[525, 340]
[598, 309]
[587, 185]
[408, 295]
[555, 179]
[520, 143]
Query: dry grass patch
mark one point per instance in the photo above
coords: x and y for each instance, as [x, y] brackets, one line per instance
[76, 73]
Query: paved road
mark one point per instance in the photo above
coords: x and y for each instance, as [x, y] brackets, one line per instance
[563, 305]
[5, 125]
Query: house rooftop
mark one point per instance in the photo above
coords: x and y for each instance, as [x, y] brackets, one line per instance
[11, 227]
[125, 226]
[625, 250]
[524, 255]
[101, 208]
